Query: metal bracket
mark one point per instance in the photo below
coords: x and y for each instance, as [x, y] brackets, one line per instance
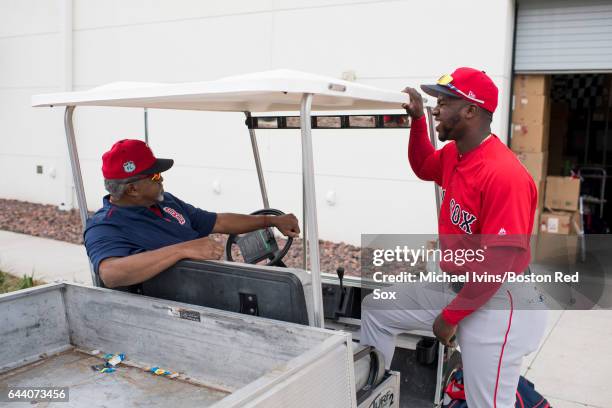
[248, 304]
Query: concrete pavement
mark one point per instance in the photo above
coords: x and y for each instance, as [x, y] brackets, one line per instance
[570, 368]
[47, 259]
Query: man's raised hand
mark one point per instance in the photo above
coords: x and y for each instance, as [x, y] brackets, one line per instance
[415, 107]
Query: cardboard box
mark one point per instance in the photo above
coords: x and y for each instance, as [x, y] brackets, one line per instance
[530, 108]
[562, 193]
[535, 163]
[556, 250]
[536, 223]
[541, 188]
[559, 222]
[529, 138]
[531, 85]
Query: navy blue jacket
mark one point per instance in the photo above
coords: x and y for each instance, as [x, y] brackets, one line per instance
[116, 231]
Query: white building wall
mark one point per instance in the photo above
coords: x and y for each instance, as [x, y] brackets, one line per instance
[390, 44]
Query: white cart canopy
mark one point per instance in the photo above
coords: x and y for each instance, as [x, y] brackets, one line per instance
[270, 91]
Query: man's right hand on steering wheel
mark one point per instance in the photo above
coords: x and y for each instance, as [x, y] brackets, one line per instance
[287, 224]
[260, 244]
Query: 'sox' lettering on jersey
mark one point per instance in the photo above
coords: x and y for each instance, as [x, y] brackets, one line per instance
[175, 214]
[455, 212]
[460, 217]
[466, 224]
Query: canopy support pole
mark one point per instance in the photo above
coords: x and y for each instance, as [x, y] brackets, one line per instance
[433, 136]
[438, 192]
[146, 126]
[304, 226]
[311, 210]
[76, 175]
[260, 176]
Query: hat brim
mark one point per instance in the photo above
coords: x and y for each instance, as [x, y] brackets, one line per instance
[436, 90]
[159, 166]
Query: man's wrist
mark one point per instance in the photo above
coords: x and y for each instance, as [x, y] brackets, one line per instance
[181, 251]
[267, 221]
[449, 317]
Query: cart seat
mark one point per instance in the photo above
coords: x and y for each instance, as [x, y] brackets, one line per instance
[271, 292]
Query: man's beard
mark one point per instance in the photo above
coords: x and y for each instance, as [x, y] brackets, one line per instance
[444, 134]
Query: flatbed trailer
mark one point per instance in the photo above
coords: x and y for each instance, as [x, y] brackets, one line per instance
[54, 334]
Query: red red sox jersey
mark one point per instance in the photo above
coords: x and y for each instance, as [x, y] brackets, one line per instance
[486, 191]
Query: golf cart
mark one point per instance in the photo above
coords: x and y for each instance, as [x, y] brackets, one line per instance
[190, 290]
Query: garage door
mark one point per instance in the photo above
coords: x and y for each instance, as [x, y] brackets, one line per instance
[564, 36]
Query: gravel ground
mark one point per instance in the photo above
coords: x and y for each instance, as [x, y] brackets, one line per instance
[48, 221]
[40, 220]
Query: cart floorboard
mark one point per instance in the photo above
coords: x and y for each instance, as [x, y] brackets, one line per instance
[129, 386]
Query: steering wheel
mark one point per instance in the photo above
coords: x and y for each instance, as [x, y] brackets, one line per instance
[258, 245]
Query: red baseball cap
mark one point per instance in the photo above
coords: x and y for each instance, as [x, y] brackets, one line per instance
[467, 83]
[129, 158]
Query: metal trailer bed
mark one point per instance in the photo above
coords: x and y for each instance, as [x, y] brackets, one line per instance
[51, 335]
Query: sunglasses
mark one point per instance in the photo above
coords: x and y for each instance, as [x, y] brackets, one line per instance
[446, 79]
[155, 177]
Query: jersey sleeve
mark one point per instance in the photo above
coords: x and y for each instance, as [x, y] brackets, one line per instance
[507, 209]
[474, 294]
[106, 241]
[425, 160]
[202, 221]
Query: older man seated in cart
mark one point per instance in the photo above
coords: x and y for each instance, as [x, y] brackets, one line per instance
[141, 230]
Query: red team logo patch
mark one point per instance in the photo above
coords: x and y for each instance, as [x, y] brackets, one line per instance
[175, 214]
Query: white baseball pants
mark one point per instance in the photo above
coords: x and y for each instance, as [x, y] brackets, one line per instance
[493, 340]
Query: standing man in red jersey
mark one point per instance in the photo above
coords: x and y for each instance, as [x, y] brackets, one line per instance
[489, 201]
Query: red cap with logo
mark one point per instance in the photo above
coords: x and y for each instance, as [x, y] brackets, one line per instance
[467, 83]
[129, 157]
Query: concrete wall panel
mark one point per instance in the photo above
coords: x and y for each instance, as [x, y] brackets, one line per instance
[27, 17]
[389, 44]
